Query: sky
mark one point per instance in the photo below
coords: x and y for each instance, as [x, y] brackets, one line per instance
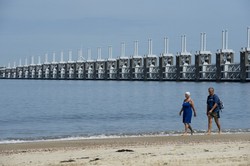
[32, 28]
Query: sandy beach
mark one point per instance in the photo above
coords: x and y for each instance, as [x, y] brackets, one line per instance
[224, 149]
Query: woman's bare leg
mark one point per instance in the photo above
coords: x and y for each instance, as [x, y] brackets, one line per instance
[186, 128]
[192, 131]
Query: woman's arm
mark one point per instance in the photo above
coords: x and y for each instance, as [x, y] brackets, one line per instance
[181, 111]
[192, 105]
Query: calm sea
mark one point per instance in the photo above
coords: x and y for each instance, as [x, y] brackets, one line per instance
[45, 109]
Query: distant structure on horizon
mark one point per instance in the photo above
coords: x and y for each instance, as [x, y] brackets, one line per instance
[137, 67]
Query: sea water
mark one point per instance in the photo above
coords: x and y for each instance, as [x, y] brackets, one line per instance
[32, 110]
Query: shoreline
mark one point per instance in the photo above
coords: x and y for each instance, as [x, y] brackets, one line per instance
[102, 136]
[145, 150]
[132, 140]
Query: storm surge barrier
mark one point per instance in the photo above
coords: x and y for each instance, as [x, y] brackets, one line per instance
[137, 67]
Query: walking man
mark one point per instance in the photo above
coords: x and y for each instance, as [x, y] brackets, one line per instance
[213, 110]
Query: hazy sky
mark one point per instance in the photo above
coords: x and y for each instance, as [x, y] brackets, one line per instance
[35, 27]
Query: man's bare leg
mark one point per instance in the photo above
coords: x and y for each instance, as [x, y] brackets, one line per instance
[218, 124]
[210, 118]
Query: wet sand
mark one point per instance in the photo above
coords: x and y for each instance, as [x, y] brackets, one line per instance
[223, 149]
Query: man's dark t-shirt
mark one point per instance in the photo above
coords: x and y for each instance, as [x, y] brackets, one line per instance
[211, 100]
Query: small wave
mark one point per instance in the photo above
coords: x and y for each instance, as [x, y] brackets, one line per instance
[109, 136]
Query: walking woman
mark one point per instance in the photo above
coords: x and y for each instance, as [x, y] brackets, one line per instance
[187, 107]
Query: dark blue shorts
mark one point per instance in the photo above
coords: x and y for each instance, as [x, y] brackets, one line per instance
[215, 114]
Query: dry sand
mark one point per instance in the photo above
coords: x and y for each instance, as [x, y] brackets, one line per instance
[224, 149]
